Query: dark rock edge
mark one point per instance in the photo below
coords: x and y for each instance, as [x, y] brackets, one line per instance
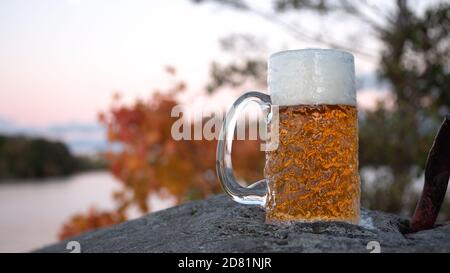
[218, 224]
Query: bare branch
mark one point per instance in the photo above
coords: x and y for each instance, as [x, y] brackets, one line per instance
[295, 31]
[302, 35]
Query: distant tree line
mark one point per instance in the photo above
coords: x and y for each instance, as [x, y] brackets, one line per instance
[27, 157]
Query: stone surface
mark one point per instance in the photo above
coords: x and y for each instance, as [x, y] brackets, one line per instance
[218, 224]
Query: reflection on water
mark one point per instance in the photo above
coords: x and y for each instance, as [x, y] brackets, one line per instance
[31, 213]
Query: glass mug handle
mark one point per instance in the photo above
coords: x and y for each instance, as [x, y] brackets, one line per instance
[256, 193]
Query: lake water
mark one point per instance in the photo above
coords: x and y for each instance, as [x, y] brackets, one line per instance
[32, 212]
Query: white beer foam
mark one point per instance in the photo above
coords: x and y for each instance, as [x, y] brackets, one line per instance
[312, 76]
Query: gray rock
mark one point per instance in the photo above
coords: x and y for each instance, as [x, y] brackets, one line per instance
[218, 224]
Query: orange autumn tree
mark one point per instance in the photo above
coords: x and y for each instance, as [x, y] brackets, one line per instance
[148, 161]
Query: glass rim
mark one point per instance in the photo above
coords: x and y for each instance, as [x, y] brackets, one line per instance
[327, 51]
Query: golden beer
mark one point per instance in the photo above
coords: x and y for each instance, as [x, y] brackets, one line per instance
[313, 175]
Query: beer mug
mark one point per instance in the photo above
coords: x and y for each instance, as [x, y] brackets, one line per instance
[312, 175]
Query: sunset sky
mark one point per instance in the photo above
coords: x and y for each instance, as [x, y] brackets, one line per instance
[61, 61]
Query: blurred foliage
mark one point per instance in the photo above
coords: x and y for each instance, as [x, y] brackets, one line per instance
[416, 62]
[26, 157]
[247, 66]
[236, 74]
[92, 220]
[151, 162]
[394, 141]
